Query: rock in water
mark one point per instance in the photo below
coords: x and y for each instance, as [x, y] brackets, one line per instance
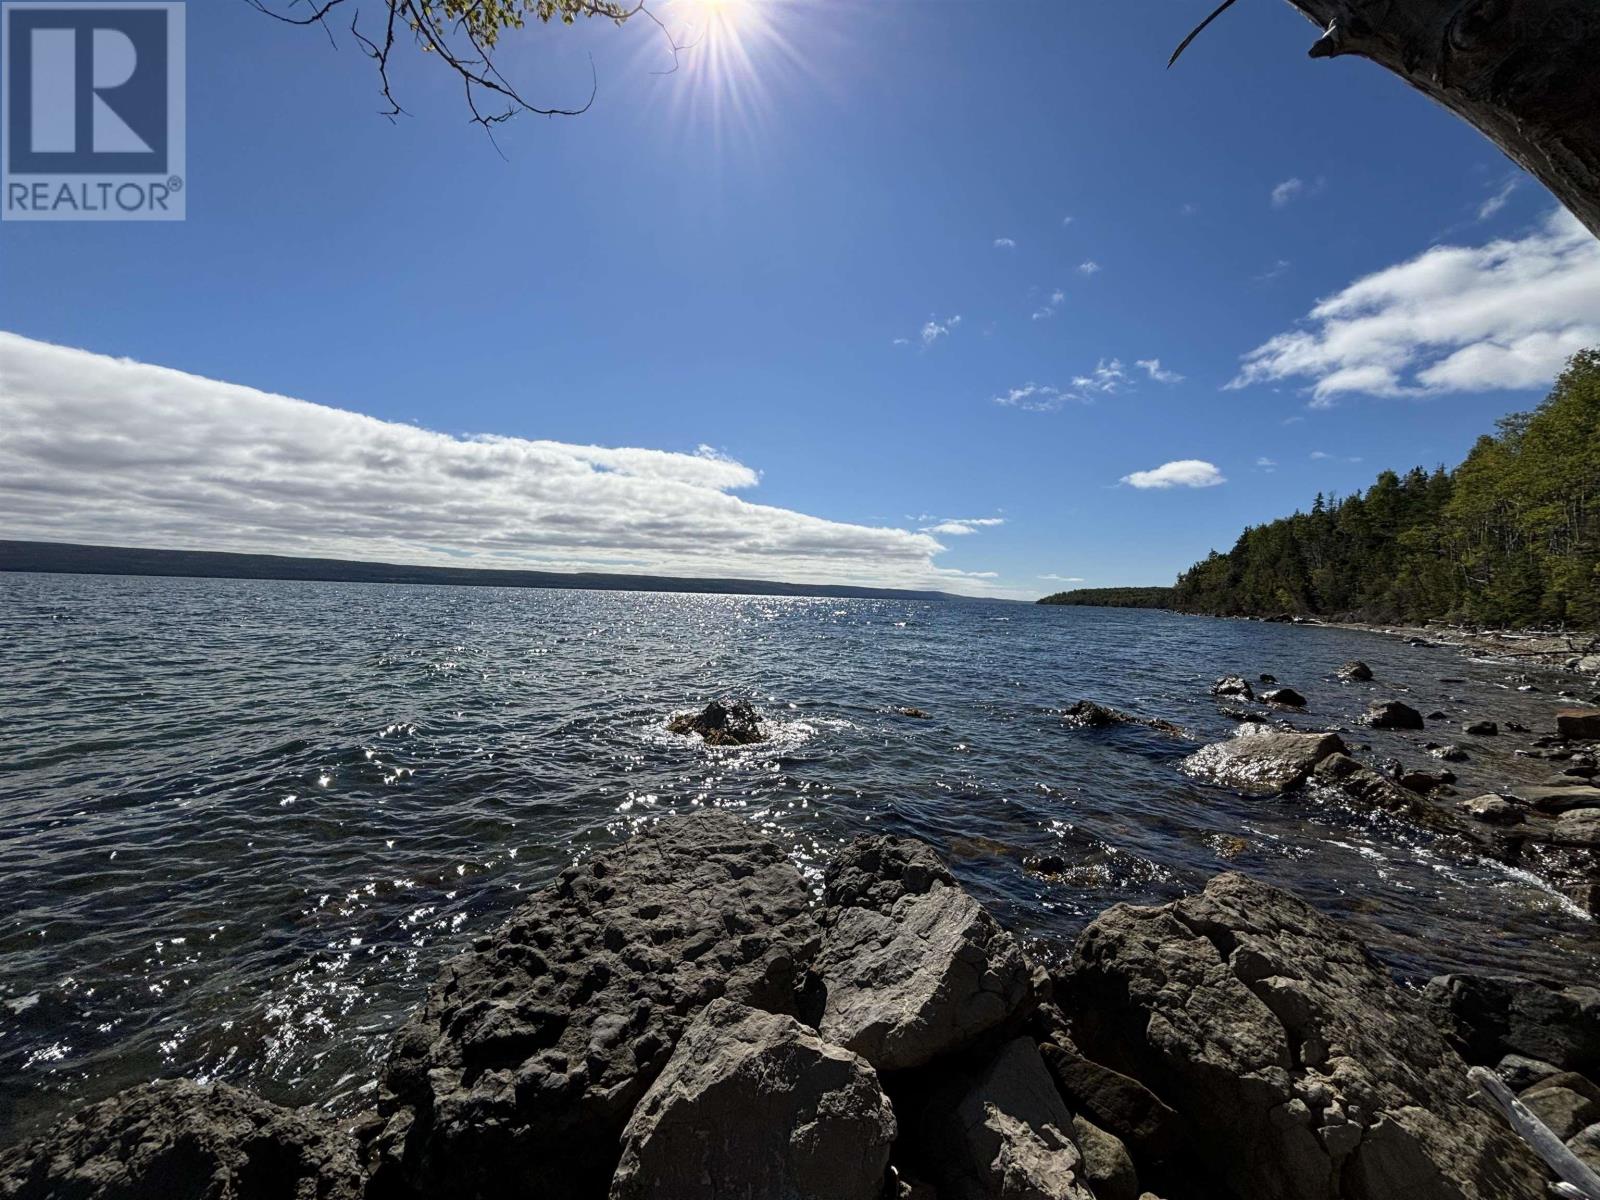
[1391, 714]
[1286, 697]
[722, 725]
[1086, 714]
[1233, 685]
[928, 977]
[174, 1140]
[1306, 1072]
[1010, 1137]
[753, 1104]
[1579, 724]
[1356, 671]
[516, 1076]
[1483, 729]
[1261, 761]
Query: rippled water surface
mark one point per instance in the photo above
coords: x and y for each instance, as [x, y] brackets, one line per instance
[244, 822]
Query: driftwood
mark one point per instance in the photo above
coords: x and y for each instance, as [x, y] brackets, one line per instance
[1578, 1181]
[1523, 72]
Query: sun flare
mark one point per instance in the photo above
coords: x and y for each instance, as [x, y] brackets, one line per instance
[734, 54]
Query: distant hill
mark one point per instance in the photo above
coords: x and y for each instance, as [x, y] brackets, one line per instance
[63, 557]
[1127, 597]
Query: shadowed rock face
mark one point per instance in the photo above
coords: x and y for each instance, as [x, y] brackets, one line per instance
[177, 1140]
[754, 1104]
[517, 1075]
[874, 872]
[1306, 1073]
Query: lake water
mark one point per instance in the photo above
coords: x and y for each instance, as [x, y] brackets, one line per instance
[242, 823]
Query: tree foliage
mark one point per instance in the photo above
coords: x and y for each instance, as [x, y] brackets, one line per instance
[1125, 597]
[1510, 537]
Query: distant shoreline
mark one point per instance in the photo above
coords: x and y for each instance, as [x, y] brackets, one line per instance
[67, 558]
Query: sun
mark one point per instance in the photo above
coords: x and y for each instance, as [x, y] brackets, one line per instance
[730, 56]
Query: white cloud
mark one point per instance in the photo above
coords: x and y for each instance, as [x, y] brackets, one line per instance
[1089, 268]
[961, 527]
[1005, 243]
[1454, 319]
[1157, 372]
[935, 329]
[1033, 397]
[1188, 210]
[1057, 298]
[1063, 578]
[1106, 379]
[1188, 472]
[1274, 271]
[1266, 464]
[103, 450]
[1324, 456]
[1065, 221]
[1496, 202]
[1287, 191]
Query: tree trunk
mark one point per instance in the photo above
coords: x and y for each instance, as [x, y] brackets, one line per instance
[1526, 73]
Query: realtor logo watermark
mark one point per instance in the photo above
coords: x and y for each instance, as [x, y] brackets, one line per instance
[92, 111]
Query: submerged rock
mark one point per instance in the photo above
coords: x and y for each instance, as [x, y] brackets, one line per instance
[721, 725]
[1483, 729]
[1261, 761]
[175, 1139]
[1306, 1072]
[1086, 714]
[1494, 810]
[1392, 714]
[1356, 671]
[755, 1104]
[519, 1072]
[916, 714]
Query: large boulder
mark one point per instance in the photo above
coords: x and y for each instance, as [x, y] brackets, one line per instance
[1009, 1137]
[1580, 827]
[928, 977]
[1392, 714]
[1260, 760]
[1579, 724]
[753, 1104]
[518, 1073]
[177, 1140]
[720, 724]
[1490, 1016]
[1306, 1072]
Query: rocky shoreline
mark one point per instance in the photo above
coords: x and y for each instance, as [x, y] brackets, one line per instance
[681, 1017]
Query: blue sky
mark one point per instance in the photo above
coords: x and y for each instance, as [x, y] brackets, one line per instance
[769, 264]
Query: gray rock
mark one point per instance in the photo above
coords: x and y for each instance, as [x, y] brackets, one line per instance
[1367, 791]
[1567, 1103]
[1233, 685]
[1451, 754]
[1392, 714]
[753, 1104]
[518, 1073]
[928, 977]
[1492, 1016]
[1261, 761]
[721, 724]
[1306, 1072]
[175, 1139]
[1580, 827]
[1586, 1145]
[1560, 799]
[1578, 724]
[1356, 671]
[1492, 810]
[1107, 1165]
[1287, 697]
[1424, 782]
[1521, 1072]
[874, 872]
[1009, 1137]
